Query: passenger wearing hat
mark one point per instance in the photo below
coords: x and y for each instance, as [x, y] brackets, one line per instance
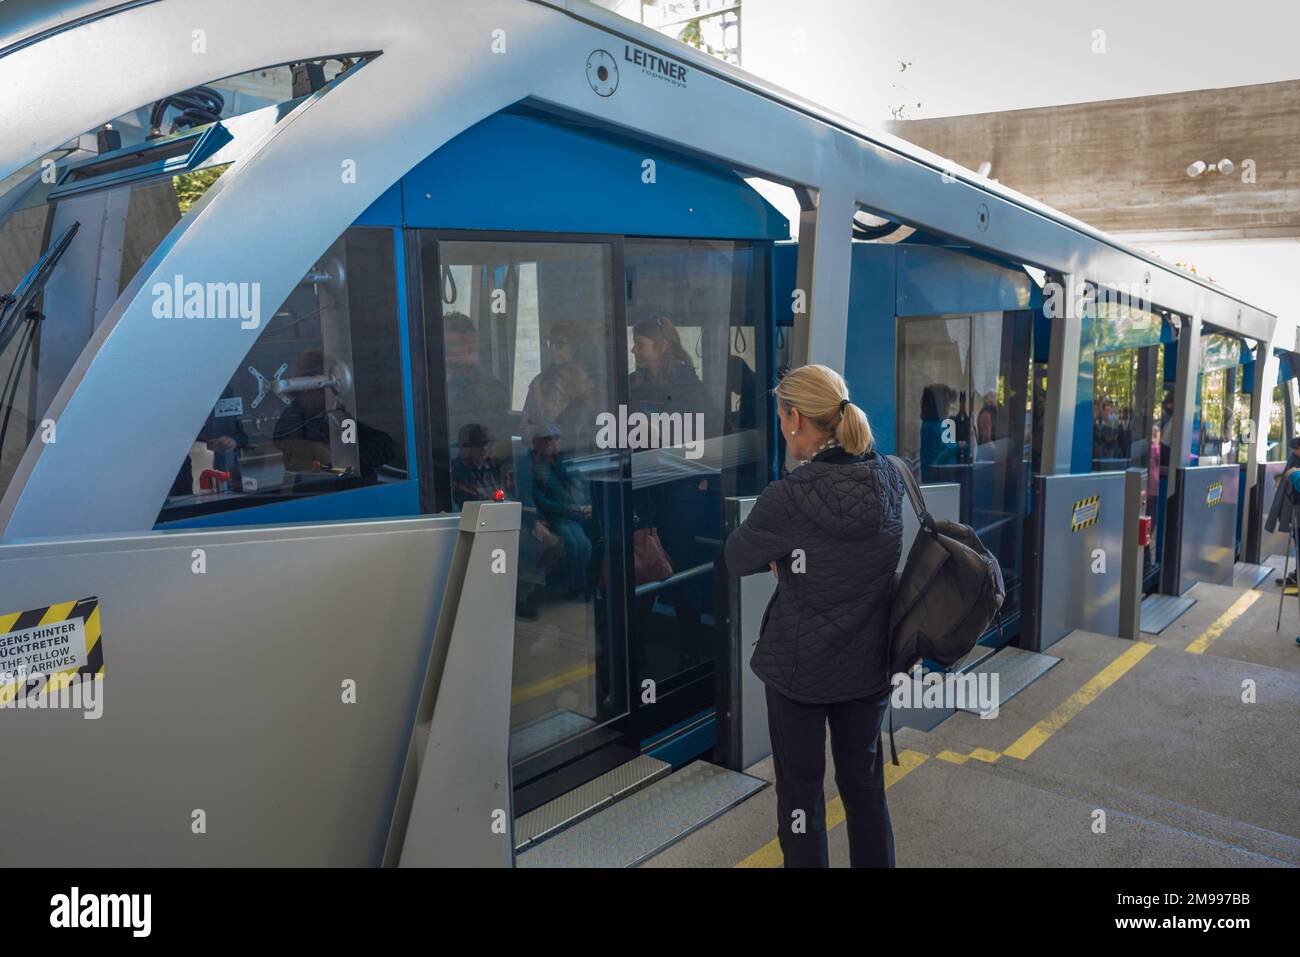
[475, 475]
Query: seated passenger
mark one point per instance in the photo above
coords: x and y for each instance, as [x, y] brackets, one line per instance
[475, 474]
[665, 379]
[474, 394]
[562, 505]
[562, 393]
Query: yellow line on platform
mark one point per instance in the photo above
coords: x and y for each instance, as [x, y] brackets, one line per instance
[1223, 622]
[769, 855]
[1035, 737]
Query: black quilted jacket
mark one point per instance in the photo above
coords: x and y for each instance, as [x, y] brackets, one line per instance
[824, 636]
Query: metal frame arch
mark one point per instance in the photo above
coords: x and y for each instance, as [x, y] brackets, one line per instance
[422, 91]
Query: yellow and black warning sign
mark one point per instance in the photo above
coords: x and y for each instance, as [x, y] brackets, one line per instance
[1214, 494]
[49, 648]
[1086, 512]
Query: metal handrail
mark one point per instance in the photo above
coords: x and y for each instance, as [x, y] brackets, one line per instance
[649, 588]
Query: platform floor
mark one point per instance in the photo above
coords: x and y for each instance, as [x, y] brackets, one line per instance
[1155, 734]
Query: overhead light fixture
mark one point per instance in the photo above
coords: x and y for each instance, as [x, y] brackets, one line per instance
[1223, 167]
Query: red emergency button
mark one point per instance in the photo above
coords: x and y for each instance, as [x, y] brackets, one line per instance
[499, 495]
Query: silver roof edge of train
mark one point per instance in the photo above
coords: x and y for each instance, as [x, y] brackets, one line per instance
[646, 36]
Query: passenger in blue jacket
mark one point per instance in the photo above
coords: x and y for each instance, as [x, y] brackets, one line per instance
[831, 532]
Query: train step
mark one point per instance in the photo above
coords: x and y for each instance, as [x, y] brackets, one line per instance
[1161, 611]
[643, 823]
[1016, 669]
[1247, 575]
[583, 801]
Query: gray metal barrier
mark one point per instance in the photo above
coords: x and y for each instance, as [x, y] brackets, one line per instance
[742, 718]
[742, 704]
[1201, 536]
[260, 689]
[1260, 542]
[1074, 565]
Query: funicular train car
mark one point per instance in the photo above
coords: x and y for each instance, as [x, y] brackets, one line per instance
[328, 324]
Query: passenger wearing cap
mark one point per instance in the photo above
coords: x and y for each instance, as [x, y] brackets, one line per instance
[475, 474]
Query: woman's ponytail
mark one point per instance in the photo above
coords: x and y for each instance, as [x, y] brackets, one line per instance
[853, 432]
[821, 395]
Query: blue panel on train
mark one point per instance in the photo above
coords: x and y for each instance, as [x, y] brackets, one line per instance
[1081, 449]
[389, 500]
[933, 281]
[1248, 378]
[871, 341]
[385, 211]
[1288, 366]
[524, 172]
[785, 261]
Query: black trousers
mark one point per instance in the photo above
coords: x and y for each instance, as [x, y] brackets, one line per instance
[799, 754]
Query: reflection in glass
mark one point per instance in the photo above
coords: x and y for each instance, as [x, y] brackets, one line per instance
[527, 338]
[694, 311]
[963, 405]
[316, 405]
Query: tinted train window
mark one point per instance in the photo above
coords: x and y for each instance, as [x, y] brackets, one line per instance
[526, 332]
[316, 405]
[962, 403]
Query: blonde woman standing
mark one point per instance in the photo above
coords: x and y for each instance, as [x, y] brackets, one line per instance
[831, 532]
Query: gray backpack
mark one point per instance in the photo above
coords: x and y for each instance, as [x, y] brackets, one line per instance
[946, 597]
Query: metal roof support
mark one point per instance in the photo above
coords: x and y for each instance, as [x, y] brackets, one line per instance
[1180, 439]
[1261, 407]
[1062, 382]
[825, 258]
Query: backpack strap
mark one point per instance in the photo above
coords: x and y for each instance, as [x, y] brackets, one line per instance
[913, 492]
[893, 751]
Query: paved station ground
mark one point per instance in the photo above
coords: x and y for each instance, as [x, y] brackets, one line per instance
[1185, 740]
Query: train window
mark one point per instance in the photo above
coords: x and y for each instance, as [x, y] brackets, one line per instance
[693, 311]
[962, 407]
[1113, 399]
[1124, 409]
[1215, 441]
[1239, 417]
[116, 230]
[526, 334]
[1277, 432]
[537, 372]
[316, 405]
